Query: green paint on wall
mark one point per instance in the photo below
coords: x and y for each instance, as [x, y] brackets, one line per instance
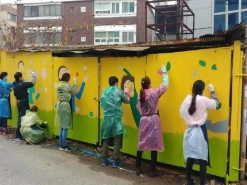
[47, 116]
[173, 153]
[202, 63]
[85, 129]
[168, 66]
[214, 67]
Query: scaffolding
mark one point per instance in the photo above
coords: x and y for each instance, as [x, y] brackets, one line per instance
[171, 18]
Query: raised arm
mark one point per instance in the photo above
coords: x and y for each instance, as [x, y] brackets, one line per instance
[212, 103]
[125, 97]
[33, 82]
[165, 82]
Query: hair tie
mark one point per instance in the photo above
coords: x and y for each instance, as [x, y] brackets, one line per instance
[143, 82]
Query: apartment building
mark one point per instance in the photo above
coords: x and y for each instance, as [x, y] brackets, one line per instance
[215, 16]
[84, 22]
[8, 18]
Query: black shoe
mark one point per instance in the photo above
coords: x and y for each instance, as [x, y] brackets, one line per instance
[190, 182]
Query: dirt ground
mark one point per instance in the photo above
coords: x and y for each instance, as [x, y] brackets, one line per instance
[166, 174]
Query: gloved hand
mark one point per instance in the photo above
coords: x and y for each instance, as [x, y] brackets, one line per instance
[210, 87]
[44, 125]
[75, 81]
[163, 68]
[33, 74]
[126, 91]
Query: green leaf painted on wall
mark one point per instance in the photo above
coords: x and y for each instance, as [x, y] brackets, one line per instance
[168, 66]
[90, 114]
[37, 96]
[214, 67]
[202, 63]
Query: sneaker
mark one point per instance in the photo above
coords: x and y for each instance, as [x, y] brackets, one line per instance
[116, 164]
[105, 162]
[63, 148]
[19, 139]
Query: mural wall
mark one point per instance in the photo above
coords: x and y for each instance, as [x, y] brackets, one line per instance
[42, 93]
[210, 65]
[84, 104]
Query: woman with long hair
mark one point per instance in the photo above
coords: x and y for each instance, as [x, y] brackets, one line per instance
[150, 133]
[195, 145]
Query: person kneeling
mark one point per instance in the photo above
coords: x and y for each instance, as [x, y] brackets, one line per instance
[32, 128]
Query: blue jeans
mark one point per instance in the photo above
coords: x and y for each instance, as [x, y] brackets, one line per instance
[3, 123]
[63, 136]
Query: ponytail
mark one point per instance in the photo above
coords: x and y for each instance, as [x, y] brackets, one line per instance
[192, 108]
[142, 96]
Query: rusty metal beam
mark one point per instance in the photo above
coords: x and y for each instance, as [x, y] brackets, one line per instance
[183, 10]
[189, 8]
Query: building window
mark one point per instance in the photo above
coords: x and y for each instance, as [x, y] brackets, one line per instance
[102, 8]
[42, 10]
[108, 8]
[12, 17]
[233, 5]
[71, 39]
[111, 37]
[219, 6]
[115, 7]
[71, 9]
[244, 4]
[219, 24]
[128, 37]
[100, 37]
[244, 17]
[128, 7]
[43, 38]
[232, 19]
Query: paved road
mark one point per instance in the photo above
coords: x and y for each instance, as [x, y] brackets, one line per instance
[22, 164]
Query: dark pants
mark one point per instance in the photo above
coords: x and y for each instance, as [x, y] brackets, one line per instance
[3, 123]
[203, 170]
[117, 147]
[21, 112]
[153, 160]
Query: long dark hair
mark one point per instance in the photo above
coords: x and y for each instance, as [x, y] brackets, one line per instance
[197, 89]
[145, 83]
[65, 77]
